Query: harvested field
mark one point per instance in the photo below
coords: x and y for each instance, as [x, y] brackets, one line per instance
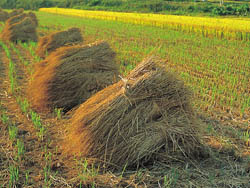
[71, 75]
[216, 71]
[50, 43]
[147, 116]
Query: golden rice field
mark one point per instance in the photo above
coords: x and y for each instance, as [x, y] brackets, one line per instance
[220, 27]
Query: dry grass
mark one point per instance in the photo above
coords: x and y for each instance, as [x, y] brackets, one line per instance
[15, 19]
[50, 43]
[3, 15]
[145, 117]
[23, 30]
[21, 27]
[16, 12]
[71, 75]
[33, 17]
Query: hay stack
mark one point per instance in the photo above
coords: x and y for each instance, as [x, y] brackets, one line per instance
[16, 12]
[144, 117]
[33, 17]
[15, 19]
[23, 31]
[70, 75]
[51, 42]
[3, 15]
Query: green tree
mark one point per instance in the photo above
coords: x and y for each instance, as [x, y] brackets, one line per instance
[9, 4]
[3, 3]
[25, 4]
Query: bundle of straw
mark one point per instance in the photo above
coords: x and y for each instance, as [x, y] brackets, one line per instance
[144, 117]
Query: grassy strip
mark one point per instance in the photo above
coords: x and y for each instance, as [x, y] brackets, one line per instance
[19, 150]
[24, 105]
[11, 72]
[17, 142]
[13, 130]
[31, 46]
[41, 129]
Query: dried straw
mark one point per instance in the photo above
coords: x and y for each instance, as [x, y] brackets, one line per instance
[16, 12]
[24, 30]
[50, 43]
[15, 19]
[71, 75]
[144, 117]
[3, 15]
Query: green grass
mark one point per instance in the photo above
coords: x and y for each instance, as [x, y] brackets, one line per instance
[14, 176]
[20, 149]
[86, 171]
[23, 103]
[11, 72]
[216, 70]
[4, 118]
[13, 130]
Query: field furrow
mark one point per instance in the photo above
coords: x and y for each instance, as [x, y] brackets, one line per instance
[34, 163]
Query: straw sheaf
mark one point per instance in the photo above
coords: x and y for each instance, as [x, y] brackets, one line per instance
[144, 117]
[3, 15]
[24, 30]
[50, 43]
[71, 75]
[15, 19]
[16, 12]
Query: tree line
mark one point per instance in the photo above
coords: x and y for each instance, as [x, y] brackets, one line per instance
[35, 4]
